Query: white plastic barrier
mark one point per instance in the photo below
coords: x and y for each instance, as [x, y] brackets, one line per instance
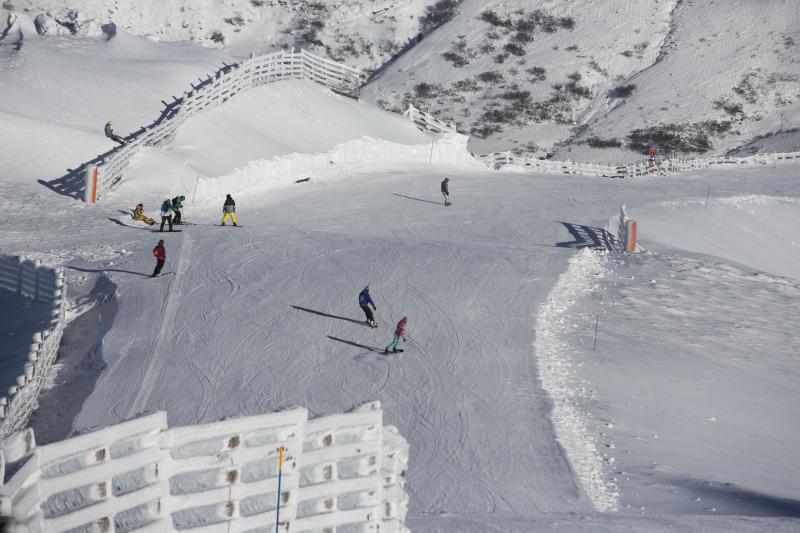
[427, 122]
[256, 71]
[46, 285]
[339, 470]
[499, 160]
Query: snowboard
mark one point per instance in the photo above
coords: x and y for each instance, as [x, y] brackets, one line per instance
[161, 275]
[229, 226]
[166, 231]
[388, 353]
[375, 325]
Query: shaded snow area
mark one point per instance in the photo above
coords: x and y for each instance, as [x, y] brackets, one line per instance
[20, 319]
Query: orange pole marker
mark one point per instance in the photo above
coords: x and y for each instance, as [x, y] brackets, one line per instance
[93, 196]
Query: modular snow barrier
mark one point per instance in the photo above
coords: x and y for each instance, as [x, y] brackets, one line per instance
[672, 165]
[108, 170]
[33, 281]
[344, 470]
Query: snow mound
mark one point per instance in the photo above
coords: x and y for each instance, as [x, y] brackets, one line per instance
[558, 377]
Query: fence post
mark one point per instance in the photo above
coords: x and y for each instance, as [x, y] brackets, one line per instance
[90, 186]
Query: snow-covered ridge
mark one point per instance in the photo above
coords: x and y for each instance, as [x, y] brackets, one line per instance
[43, 284]
[343, 469]
[568, 395]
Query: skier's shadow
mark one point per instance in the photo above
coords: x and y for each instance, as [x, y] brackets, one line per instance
[588, 237]
[417, 199]
[357, 345]
[327, 315]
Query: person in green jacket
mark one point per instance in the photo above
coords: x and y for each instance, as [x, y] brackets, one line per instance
[177, 205]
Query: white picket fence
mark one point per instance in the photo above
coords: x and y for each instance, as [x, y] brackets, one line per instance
[101, 177]
[46, 285]
[343, 472]
[672, 165]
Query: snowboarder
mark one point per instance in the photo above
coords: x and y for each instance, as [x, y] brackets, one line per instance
[399, 333]
[113, 136]
[138, 215]
[446, 192]
[177, 205]
[364, 301]
[229, 210]
[166, 214]
[160, 254]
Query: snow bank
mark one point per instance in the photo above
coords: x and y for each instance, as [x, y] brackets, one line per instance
[753, 230]
[337, 470]
[46, 285]
[568, 395]
[357, 156]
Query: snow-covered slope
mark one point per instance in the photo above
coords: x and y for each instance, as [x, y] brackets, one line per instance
[58, 92]
[359, 32]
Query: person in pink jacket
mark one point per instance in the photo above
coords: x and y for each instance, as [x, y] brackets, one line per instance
[399, 333]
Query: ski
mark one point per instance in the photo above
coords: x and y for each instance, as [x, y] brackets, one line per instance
[167, 231]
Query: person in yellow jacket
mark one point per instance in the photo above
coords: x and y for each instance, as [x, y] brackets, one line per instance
[138, 215]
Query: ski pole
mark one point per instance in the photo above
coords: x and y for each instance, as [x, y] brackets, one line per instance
[280, 475]
[708, 193]
[596, 323]
[195, 188]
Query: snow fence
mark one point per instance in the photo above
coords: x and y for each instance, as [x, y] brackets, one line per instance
[109, 169]
[46, 285]
[672, 165]
[340, 472]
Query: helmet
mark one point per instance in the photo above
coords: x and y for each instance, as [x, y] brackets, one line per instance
[108, 123]
[161, 241]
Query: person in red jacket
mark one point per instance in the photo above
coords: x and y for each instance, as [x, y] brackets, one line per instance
[161, 255]
[399, 333]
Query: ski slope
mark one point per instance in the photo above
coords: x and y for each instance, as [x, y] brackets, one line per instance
[265, 316]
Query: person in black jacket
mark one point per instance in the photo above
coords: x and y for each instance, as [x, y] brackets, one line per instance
[446, 191]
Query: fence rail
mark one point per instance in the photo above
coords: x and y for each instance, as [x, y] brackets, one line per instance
[427, 122]
[141, 475]
[672, 165]
[46, 285]
[106, 171]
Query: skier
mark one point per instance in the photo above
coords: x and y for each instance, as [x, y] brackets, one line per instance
[138, 215]
[160, 254]
[364, 301]
[229, 210]
[113, 136]
[446, 192]
[166, 214]
[177, 205]
[399, 333]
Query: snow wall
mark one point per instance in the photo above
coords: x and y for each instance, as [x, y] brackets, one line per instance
[46, 285]
[140, 475]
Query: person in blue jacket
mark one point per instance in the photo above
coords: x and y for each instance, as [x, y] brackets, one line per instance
[364, 301]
